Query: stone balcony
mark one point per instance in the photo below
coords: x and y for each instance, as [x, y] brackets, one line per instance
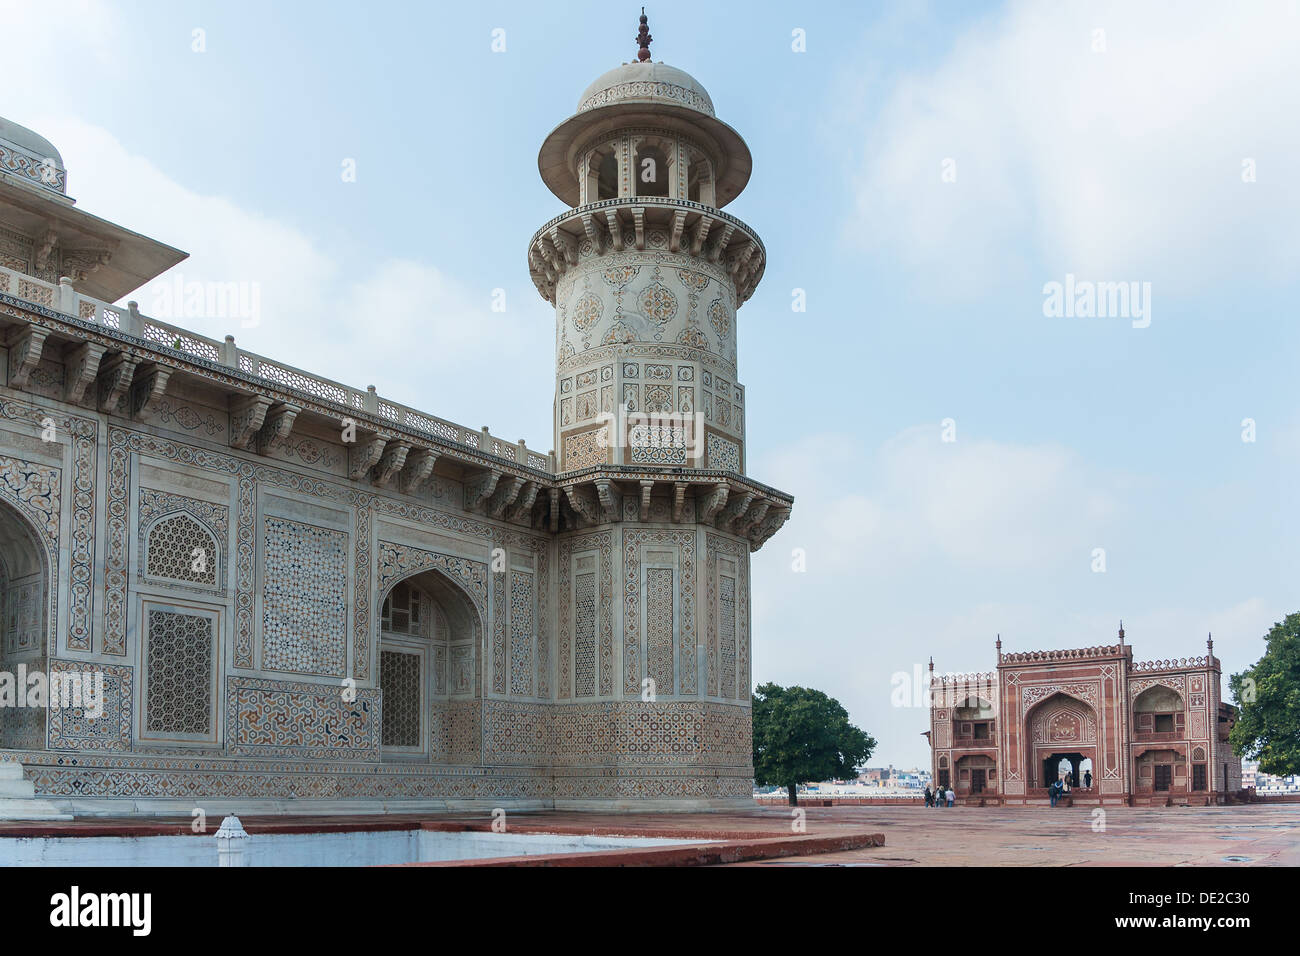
[626, 222]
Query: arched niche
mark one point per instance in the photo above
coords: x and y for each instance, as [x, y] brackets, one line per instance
[431, 638]
[26, 619]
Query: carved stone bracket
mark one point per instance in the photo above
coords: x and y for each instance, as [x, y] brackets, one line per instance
[611, 501]
[638, 224]
[584, 503]
[527, 498]
[246, 417]
[555, 508]
[675, 237]
[80, 369]
[759, 535]
[25, 355]
[364, 456]
[679, 501]
[754, 517]
[277, 427]
[717, 498]
[700, 234]
[733, 511]
[478, 493]
[504, 496]
[419, 466]
[595, 231]
[391, 462]
[148, 386]
[113, 380]
[646, 488]
[615, 229]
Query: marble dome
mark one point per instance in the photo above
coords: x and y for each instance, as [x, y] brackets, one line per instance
[31, 143]
[647, 82]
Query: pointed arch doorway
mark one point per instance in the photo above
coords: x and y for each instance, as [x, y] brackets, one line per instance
[430, 670]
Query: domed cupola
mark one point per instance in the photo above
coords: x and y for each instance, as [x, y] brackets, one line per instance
[31, 158]
[692, 154]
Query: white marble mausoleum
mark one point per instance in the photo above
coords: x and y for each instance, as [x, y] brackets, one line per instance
[297, 595]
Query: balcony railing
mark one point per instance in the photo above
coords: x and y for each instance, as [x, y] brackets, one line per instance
[63, 298]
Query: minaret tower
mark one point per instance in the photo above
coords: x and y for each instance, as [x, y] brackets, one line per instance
[655, 516]
[646, 272]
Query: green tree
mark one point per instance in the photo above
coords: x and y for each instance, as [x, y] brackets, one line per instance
[800, 734]
[1268, 696]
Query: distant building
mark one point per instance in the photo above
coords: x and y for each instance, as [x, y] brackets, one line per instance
[1121, 732]
[1267, 783]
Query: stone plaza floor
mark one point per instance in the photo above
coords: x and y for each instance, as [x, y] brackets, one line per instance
[1250, 835]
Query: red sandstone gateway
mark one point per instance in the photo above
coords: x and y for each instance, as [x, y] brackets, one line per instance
[1113, 730]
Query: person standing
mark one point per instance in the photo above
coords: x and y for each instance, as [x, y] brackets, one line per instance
[951, 796]
[1087, 779]
[1054, 791]
[929, 797]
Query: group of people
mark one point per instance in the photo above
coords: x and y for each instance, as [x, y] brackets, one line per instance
[940, 797]
[1061, 788]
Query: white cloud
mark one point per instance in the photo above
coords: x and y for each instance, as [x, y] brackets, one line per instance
[972, 503]
[1117, 165]
[403, 325]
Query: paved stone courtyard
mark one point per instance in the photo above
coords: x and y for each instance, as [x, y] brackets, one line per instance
[1036, 836]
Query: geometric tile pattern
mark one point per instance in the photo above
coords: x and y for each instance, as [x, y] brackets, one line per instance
[179, 662]
[180, 549]
[584, 634]
[521, 633]
[399, 679]
[727, 634]
[659, 627]
[633, 668]
[295, 719]
[729, 618]
[304, 605]
[71, 728]
[723, 455]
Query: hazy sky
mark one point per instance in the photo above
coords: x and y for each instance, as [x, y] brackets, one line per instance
[921, 171]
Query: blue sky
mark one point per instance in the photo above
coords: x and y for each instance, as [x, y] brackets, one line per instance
[1118, 160]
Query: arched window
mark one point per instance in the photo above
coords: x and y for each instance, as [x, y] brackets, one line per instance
[607, 177]
[601, 175]
[180, 548]
[700, 185]
[651, 172]
[1159, 710]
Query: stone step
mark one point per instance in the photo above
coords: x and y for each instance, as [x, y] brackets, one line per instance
[31, 809]
[17, 790]
[18, 797]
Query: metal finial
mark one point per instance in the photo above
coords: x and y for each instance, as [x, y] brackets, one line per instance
[1209, 642]
[931, 663]
[1121, 632]
[643, 38]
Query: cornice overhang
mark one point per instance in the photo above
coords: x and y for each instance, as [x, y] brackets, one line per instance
[391, 455]
[693, 228]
